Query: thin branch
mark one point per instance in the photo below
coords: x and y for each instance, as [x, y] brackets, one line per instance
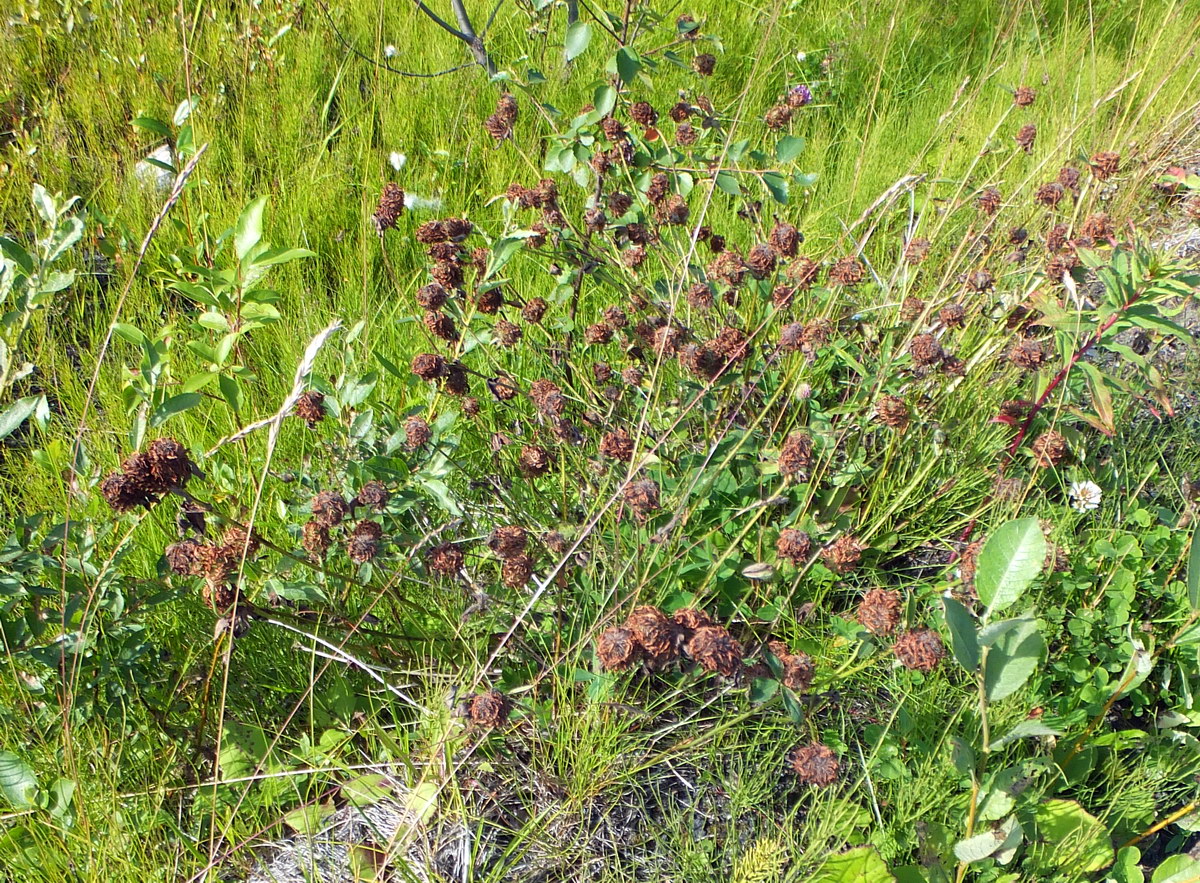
[469, 36]
[350, 47]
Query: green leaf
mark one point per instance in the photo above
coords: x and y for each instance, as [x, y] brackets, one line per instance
[18, 255]
[129, 333]
[728, 183]
[1070, 837]
[1012, 659]
[628, 64]
[1126, 869]
[605, 100]
[150, 124]
[249, 227]
[367, 790]
[231, 390]
[275, 256]
[16, 414]
[789, 147]
[18, 784]
[1193, 573]
[176, 404]
[777, 186]
[1024, 730]
[184, 110]
[963, 638]
[861, 865]
[579, 34]
[1009, 562]
[308, 820]
[1177, 869]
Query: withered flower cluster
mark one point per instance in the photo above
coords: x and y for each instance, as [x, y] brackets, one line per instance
[146, 476]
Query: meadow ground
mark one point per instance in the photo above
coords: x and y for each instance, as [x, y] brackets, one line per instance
[741, 442]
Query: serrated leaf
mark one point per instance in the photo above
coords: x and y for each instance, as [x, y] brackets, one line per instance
[1010, 560]
[964, 640]
[579, 35]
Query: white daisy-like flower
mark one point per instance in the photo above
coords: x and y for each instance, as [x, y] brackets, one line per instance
[389, 51]
[801, 56]
[397, 160]
[1085, 495]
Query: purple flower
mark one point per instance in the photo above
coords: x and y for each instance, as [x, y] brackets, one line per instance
[798, 96]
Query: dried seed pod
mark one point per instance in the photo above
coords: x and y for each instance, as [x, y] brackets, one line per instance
[508, 541]
[365, 542]
[1026, 136]
[617, 649]
[1024, 96]
[714, 649]
[879, 611]
[919, 649]
[618, 445]
[490, 709]
[847, 272]
[389, 209]
[796, 454]
[843, 555]
[926, 350]
[310, 407]
[1049, 449]
[642, 497]
[429, 366]
[445, 559]
[704, 64]
[315, 538]
[329, 508]
[814, 764]
[892, 412]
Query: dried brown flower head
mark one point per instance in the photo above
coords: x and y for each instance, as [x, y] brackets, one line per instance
[431, 232]
[365, 542]
[919, 649]
[796, 454]
[704, 64]
[329, 508]
[911, 309]
[846, 271]
[1028, 354]
[598, 334]
[762, 260]
[714, 649]
[441, 325]
[429, 366]
[445, 559]
[688, 619]
[793, 545]
[680, 111]
[181, 556]
[1105, 164]
[1059, 267]
[980, 281]
[490, 709]
[989, 201]
[1049, 449]
[1024, 96]
[686, 135]
[617, 649]
[1098, 226]
[168, 464]
[516, 571]
[315, 539]
[1026, 136]
[634, 257]
[632, 375]
[969, 559]
[618, 445]
[926, 350]
[892, 411]
[674, 211]
[643, 113]
[508, 541]
[389, 209]
[654, 633]
[814, 764]
[500, 124]
[700, 296]
[1068, 177]
[417, 433]
[310, 407]
[431, 296]
[533, 461]
[916, 251]
[548, 398]
[879, 611]
[952, 315]
[642, 497]
[785, 239]
[373, 495]
[1050, 194]
[798, 669]
[778, 116]
[843, 555]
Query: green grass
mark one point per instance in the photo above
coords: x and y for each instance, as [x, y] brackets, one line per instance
[916, 88]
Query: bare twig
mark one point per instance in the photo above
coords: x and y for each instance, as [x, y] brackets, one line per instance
[350, 47]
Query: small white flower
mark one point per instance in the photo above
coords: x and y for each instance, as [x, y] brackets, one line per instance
[397, 160]
[389, 51]
[1085, 495]
[412, 202]
[801, 56]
